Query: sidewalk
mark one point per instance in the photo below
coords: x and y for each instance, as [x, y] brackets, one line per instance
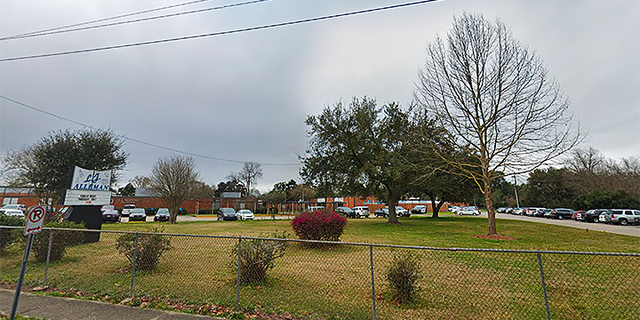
[70, 309]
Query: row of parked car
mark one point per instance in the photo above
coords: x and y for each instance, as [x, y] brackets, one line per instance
[616, 216]
[111, 214]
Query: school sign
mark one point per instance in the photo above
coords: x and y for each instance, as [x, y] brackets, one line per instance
[88, 188]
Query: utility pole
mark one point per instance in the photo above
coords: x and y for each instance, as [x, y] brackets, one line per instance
[515, 184]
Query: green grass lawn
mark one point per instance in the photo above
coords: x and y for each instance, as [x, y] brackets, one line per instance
[336, 281]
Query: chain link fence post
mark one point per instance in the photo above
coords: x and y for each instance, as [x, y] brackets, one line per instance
[238, 275]
[373, 287]
[135, 260]
[46, 267]
[544, 286]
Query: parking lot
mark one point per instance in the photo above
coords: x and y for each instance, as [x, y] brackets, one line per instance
[618, 229]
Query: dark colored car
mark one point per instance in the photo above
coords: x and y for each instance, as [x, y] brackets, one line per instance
[110, 216]
[419, 209]
[593, 215]
[138, 214]
[382, 212]
[227, 214]
[162, 215]
[345, 211]
[561, 213]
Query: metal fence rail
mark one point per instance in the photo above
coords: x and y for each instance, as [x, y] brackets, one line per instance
[338, 279]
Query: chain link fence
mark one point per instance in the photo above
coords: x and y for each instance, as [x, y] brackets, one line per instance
[327, 280]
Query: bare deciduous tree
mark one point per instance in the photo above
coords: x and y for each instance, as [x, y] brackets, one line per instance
[140, 182]
[494, 96]
[249, 175]
[173, 179]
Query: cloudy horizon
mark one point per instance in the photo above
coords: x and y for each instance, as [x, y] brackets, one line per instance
[245, 96]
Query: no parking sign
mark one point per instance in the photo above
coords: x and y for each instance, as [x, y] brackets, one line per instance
[35, 218]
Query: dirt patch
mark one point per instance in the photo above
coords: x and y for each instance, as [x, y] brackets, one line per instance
[495, 237]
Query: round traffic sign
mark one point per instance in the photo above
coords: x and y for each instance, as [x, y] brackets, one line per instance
[37, 214]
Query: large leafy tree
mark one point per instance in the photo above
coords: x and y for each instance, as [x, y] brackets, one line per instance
[357, 149]
[45, 165]
[174, 179]
[495, 98]
[430, 176]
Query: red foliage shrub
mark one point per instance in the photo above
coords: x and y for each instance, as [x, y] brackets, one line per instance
[319, 225]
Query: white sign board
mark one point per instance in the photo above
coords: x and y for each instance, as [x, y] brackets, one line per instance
[35, 219]
[87, 198]
[88, 188]
[84, 179]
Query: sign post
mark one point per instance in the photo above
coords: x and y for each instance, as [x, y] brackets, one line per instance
[35, 219]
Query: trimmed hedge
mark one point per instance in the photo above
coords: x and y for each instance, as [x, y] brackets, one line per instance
[319, 225]
[9, 236]
[61, 240]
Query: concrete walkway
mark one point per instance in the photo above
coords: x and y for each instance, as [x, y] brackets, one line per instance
[70, 309]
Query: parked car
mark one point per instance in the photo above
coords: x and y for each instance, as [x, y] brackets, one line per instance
[532, 211]
[468, 210]
[345, 211]
[138, 214]
[541, 212]
[605, 217]
[454, 209]
[592, 215]
[110, 215]
[402, 212]
[503, 210]
[625, 216]
[577, 215]
[315, 208]
[517, 211]
[382, 212]
[12, 212]
[162, 214]
[107, 207]
[227, 214]
[419, 209]
[245, 214]
[561, 213]
[16, 206]
[126, 210]
[361, 211]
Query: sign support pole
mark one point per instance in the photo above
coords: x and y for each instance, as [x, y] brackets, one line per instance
[23, 270]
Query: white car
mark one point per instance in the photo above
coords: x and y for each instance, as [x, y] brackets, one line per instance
[402, 212]
[361, 211]
[12, 212]
[469, 210]
[20, 207]
[245, 214]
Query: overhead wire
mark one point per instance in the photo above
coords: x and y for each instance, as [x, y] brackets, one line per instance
[135, 20]
[268, 26]
[138, 140]
[21, 35]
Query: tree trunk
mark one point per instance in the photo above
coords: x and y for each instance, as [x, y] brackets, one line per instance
[173, 214]
[434, 207]
[488, 200]
[393, 217]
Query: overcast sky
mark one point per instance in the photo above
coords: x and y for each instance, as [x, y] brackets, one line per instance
[245, 96]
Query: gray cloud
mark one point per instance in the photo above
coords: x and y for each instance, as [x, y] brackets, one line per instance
[245, 96]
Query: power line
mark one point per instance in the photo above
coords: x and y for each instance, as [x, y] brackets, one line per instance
[137, 140]
[281, 24]
[22, 35]
[134, 20]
